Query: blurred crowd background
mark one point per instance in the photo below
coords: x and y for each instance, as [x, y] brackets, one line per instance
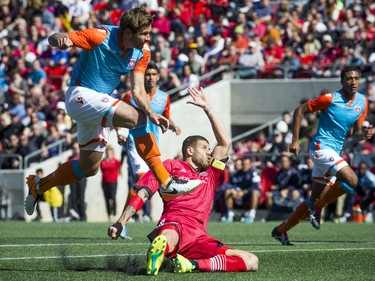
[252, 38]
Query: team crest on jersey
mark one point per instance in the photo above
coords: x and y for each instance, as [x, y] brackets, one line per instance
[160, 104]
[131, 62]
[105, 99]
[357, 109]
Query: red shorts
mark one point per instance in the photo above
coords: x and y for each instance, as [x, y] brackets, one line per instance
[194, 243]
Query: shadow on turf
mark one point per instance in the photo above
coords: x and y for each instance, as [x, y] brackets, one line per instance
[126, 265]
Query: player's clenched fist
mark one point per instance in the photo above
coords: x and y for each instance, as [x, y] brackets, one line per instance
[115, 230]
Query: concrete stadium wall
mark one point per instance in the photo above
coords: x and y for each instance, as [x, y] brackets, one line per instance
[255, 102]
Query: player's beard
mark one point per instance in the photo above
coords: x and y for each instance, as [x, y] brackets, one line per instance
[201, 162]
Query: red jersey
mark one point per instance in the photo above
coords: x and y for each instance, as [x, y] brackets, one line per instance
[110, 169]
[193, 208]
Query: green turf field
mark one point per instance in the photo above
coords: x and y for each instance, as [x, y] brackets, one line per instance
[82, 251]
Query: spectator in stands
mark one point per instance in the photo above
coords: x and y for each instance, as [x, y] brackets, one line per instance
[52, 137]
[346, 58]
[264, 11]
[312, 46]
[162, 46]
[304, 172]
[243, 191]
[168, 80]
[285, 192]
[24, 148]
[235, 170]
[14, 127]
[37, 140]
[250, 62]
[189, 79]
[229, 56]
[10, 146]
[37, 76]
[275, 145]
[273, 54]
[289, 65]
[17, 106]
[18, 85]
[77, 189]
[161, 24]
[366, 186]
[111, 169]
[217, 45]
[195, 60]
[272, 32]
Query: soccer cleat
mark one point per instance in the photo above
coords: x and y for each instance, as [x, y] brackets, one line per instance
[182, 265]
[33, 197]
[282, 237]
[155, 254]
[314, 218]
[177, 186]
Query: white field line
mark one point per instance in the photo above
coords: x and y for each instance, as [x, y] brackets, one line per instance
[128, 243]
[128, 255]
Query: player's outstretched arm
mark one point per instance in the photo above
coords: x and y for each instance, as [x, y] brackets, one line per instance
[140, 97]
[200, 99]
[129, 210]
[297, 119]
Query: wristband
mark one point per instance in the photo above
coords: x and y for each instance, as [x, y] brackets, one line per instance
[136, 202]
[217, 163]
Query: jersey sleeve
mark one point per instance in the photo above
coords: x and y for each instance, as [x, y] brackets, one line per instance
[320, 103]
[363, 116]
[141, 66]
[88, 39]
[166, 112]
[148, 182]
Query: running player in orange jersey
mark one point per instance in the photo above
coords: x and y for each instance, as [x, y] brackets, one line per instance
[108, 53]
[181, 233]
[342, 111]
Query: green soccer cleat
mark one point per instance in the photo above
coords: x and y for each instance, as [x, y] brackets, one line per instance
[182, 265]
[155, 254]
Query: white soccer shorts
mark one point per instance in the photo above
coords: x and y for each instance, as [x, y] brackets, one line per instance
[326, 165]
[93, 112]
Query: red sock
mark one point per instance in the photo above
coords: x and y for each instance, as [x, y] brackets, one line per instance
[222, 263]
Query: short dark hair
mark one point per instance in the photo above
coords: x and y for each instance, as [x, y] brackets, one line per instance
[347, 69]
[135, 19]
[152, 65]
[192, 142]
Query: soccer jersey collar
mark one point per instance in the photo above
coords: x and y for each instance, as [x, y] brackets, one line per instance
[347, 96]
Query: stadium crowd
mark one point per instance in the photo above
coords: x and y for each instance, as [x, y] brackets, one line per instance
[255, 38]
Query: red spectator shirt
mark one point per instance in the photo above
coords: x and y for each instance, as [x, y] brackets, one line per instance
[110, 170]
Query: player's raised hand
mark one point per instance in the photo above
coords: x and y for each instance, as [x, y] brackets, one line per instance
[159, 120]
[294, 148]
[199, 98]
[114, 230]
